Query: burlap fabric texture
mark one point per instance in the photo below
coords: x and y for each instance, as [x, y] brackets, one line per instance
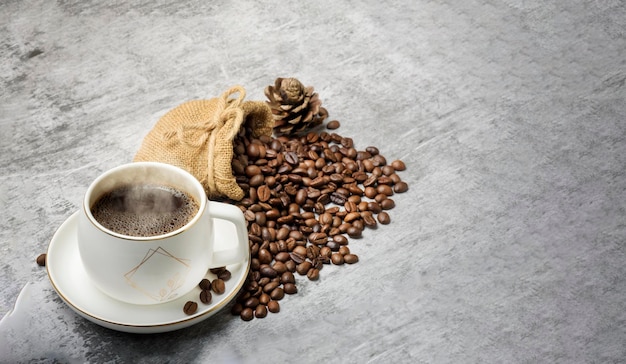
[198, 137]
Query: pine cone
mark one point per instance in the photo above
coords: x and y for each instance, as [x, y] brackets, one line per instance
[295, 108]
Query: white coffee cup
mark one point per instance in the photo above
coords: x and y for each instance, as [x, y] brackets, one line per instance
[155, 269]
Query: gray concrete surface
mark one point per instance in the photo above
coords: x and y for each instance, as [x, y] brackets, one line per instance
[508, 248]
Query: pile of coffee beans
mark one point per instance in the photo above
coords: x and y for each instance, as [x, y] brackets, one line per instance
[305, 197]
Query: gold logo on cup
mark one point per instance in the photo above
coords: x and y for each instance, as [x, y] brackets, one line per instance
[142, 276]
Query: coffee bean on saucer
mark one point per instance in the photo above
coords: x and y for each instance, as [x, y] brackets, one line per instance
[41, 260]
[190, 307]
[217, 270]
[205, 284]
[224, 275]
[218, 286]
[206, 296]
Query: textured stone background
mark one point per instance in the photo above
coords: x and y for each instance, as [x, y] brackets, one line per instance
[511, 116]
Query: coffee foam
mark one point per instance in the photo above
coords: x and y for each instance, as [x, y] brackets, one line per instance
[144, 210]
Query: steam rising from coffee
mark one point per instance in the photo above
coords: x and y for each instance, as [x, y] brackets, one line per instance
[144, 210]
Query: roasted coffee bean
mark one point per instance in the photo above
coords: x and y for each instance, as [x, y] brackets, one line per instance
[388, 170]
[343, 250]
[268, 271]
[290, 288]
[318, 238]
[337, 258]
[190, 307]
[265, 257]
[256, 180]
[247, 314]
[325, 251]
[385, 180]
[205, 296]
[287, 277]
[340, 239]
[354, 232]
[332, 125]
[273, 306]
[380, 197]
[205, 284]
[368, 219]
[279, 267]
[252, 170]
[269, 287]
[352, 216]
[387, 204]
[249, 215]
[313, 274]
[251, 302]
[398, 165]
[282, 256]
[260, 311]
[264, 299]
[350, 258]
[277, 293]
[333, 245]
[291, 158]
[400, 187]
[374, 207]
[41, 260]
[297, 258]
[218, 286]
[263, 193]
[384, 189]
[338, 198]
[370, 192]
[303, 267]
[291, 266]
[383, 218]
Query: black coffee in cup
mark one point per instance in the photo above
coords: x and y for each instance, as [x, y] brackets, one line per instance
[144, 210]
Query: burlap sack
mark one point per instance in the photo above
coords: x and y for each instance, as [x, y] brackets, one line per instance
[198, 137]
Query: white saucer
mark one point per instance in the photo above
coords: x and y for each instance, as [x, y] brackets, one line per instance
[70, 280]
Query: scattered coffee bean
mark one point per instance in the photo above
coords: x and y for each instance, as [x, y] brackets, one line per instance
[278, 293]
[350, 258]
[224, 275]
[260, 311]
[332, 125]
[383, 218]
[337, 258]
[313, 274]
[401, 187]
[273, 306]
[206, 296]
[190, 307]
[251, 302]
[398, 165]
[290, 288]
[218, 286]
[247, 314]
[41, 260]
[205, 284]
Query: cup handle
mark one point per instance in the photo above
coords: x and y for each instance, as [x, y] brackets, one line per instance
[224, 211]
